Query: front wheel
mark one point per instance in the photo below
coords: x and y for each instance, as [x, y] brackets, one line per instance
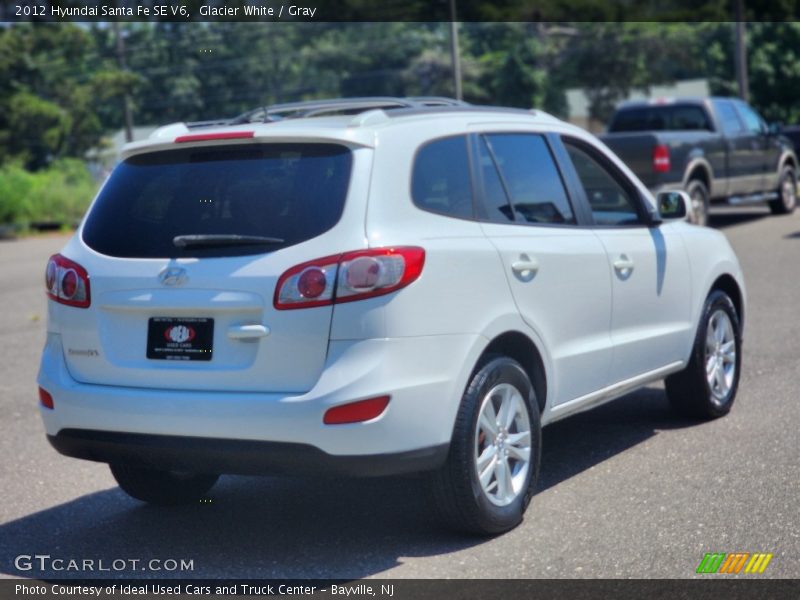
[491, 470]
[706, 388]
[786, 201]
[164, 488]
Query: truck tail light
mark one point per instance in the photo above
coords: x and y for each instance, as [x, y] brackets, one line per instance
[67, 282]
[661, 162]
[348, 277]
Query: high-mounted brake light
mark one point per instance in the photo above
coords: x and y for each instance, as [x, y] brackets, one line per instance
[205, 137]
[67, 282]
[661, 162]
[348, 277]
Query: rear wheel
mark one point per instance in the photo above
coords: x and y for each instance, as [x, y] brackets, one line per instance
[786, 201]
[491, 470]
[698, 193]
[706, 388]
[165, 488]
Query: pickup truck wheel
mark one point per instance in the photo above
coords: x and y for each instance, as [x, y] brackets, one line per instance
[164, 488]
[706, 388]
[698, 192]
[786, 201]
[493, 464]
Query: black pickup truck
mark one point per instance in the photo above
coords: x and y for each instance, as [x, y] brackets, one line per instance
[712, 148]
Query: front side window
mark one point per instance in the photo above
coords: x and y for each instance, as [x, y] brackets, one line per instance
[611, 203]
[521, 180]
[440, 181]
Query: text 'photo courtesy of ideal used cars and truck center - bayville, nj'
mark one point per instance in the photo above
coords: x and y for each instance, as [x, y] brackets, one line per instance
[316, 301]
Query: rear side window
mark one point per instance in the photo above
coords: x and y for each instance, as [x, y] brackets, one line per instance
[526, 176]
[440, 181]
[288, 192]
[728, 118]
[680, 117]
[752, 121]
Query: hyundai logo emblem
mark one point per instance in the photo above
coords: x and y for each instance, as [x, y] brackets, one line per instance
[173, 276]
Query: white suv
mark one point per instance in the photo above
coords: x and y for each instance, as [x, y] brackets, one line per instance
[370, 287]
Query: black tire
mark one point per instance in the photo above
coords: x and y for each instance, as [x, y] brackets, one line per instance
[689, 391]
[457, 492]
[786, 201]
[163, 488]
[698, 192]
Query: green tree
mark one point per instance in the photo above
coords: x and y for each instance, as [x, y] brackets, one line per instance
[774, 68]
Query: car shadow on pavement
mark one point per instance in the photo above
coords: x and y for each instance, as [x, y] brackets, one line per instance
[729, 218]
[582, 441]
[252, 527]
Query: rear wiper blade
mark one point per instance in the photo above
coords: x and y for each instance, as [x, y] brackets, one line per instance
[222, 239]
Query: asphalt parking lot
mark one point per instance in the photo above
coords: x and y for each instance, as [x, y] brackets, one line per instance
[627, 490]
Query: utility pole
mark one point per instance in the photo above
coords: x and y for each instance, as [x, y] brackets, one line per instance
[126, 99]
[741, 53]
[454, 55]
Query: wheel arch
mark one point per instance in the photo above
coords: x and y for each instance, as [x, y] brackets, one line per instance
[788, 160]
[726, 283]
[520, 347]
[699, 169]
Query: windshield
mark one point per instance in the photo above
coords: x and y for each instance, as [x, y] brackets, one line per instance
[287, 193]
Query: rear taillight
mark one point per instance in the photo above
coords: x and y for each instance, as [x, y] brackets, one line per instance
[67, 282]
[661, 159]
[348, 277]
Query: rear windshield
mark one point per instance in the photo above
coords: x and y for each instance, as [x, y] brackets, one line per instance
[686, 117]
[286, 192]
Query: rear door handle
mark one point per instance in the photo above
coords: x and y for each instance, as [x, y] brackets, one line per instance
[248, 332]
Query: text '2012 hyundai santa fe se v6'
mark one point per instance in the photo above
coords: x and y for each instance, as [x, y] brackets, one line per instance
[370, 287]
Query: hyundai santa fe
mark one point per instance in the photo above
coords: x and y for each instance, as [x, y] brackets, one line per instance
[373, 287]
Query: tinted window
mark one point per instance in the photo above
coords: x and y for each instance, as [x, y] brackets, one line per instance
[288, 191]
[680, 117]
[611, 202]
[494, 202]
[441, 179]
[531, 179]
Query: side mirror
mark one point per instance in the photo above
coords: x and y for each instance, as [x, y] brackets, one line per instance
[674, 205]
[775, 128]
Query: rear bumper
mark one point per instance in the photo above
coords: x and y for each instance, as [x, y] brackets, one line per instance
[241, 457]
[248, 432]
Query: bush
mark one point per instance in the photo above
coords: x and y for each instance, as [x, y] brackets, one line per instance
[59, 194]
[15, 189]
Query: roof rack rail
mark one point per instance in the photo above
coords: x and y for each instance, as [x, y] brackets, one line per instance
[340, 106]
